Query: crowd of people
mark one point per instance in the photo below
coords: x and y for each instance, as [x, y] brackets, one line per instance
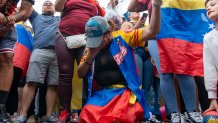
[124, 62]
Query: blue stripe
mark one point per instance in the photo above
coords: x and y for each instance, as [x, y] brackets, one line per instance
[24, 37]
[128, 69]
[189, 25]
[104, 96]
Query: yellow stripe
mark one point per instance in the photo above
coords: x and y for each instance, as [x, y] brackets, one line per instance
[20, 22]
[132, 98]
[117, 86]
[77, 86]
[184, 4]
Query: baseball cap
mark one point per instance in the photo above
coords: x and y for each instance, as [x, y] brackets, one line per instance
[95, 28]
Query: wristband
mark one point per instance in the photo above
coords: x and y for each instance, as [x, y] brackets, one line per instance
[157, 4]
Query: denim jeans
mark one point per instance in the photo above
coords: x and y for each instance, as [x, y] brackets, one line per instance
[186, 84]
[145, 69]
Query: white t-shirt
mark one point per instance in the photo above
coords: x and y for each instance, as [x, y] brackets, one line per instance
[210, 56]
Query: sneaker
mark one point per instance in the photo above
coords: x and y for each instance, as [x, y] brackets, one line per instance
[20, 119]
[55, 114]
[168, 118]
[14, 116]
[185, 119]
[42, 119]
[74, 118]
[194, 117]
[152, 119]
[175, 118]
[51, 119]
[4, 117]
[32, 119]
[64, 116]
[158, 117]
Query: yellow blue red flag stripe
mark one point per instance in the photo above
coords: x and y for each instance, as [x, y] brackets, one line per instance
[180, 41]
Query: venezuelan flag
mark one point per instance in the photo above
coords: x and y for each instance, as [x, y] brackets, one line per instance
[180, 41]
[23, 47]
[77, 99]
[111, 105]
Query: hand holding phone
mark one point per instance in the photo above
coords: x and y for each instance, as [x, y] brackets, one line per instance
[144, 16]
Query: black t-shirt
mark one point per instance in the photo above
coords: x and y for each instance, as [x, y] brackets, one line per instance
[107, 71]
[9, 7]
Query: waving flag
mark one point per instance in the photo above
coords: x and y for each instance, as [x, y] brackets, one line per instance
[180, 41]
[23, 47]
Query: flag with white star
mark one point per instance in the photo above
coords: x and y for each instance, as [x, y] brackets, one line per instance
[180, 41]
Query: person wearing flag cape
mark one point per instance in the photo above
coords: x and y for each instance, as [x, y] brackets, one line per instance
[109, 64]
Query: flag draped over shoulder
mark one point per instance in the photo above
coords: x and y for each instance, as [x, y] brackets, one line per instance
[123, 103]
[180, 41]
[23, 47]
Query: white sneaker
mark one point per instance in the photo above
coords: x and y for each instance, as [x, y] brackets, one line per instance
[20, 119]
[175, 118]
[185, 118]
[195, 117]
[152, 119]
[14, 116]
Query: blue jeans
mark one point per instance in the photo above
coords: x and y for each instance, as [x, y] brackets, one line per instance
[146, 68]
[186, 84]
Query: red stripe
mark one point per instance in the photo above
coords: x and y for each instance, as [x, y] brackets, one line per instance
[181, 57]
[118, 109]
[21, 57]
[136, 37]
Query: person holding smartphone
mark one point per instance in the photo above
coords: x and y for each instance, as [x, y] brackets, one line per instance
[145, 67]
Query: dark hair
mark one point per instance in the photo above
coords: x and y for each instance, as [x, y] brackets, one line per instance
[116, 2]
[111, 24]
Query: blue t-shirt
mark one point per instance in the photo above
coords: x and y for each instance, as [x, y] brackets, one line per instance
[45, 28]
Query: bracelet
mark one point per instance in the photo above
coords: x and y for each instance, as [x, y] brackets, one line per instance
[90, 64]
[157, 4]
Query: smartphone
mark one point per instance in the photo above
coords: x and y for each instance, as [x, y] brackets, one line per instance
[144, 16]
